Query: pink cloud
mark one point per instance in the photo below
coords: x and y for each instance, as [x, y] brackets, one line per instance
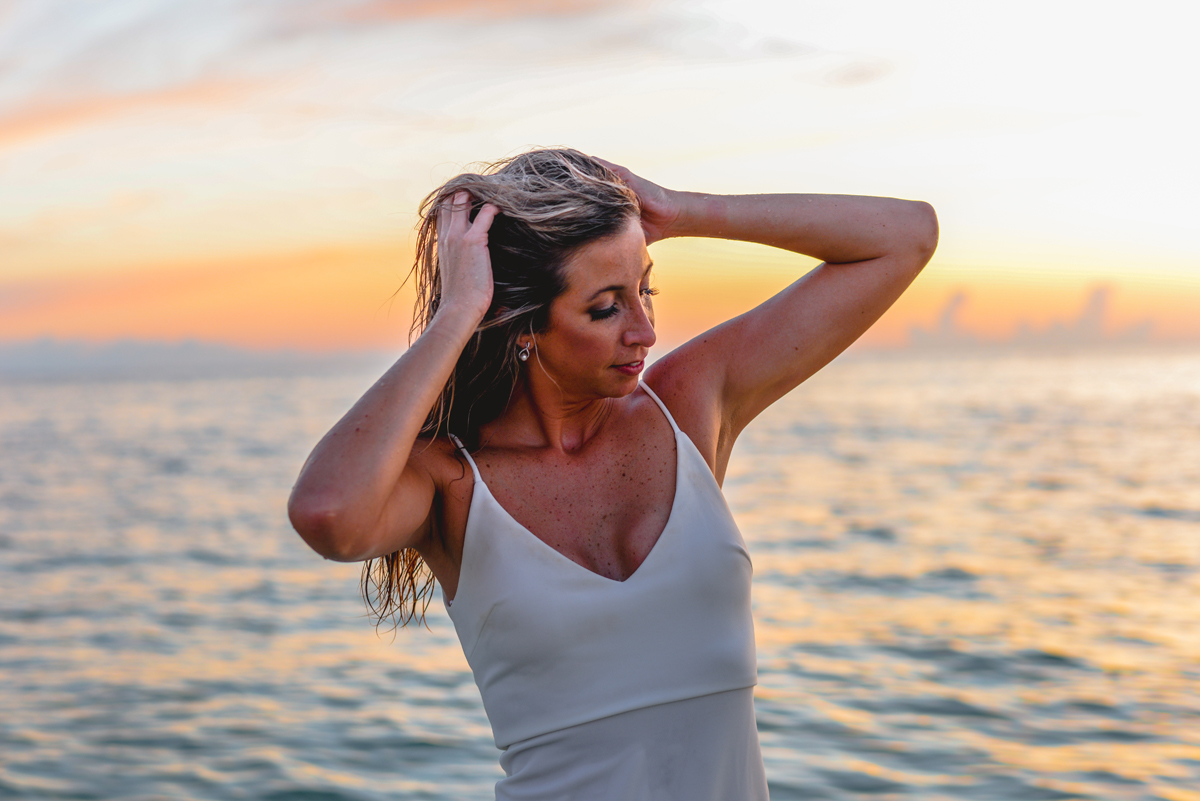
[40, 120]
[376, 10]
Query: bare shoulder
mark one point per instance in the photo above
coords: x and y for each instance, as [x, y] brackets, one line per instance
[688, 380]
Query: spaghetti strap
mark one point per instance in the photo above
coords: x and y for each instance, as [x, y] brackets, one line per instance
[470, 461]
[661, 405]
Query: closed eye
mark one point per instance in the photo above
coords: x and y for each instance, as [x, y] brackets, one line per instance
[603, 314]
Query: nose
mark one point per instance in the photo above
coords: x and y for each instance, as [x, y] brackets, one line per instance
[640, 332]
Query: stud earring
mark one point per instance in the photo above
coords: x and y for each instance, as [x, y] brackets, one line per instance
[523, 353]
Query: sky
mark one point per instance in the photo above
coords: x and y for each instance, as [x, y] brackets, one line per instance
[248, 173]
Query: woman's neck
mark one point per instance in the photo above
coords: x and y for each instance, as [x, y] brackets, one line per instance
[549, 419]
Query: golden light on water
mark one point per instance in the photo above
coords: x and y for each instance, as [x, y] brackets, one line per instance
[971, 576]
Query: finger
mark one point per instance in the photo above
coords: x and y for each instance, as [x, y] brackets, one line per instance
[483, 220]
[442, 225]
[443, 217]
[617, 168]
[452, 216]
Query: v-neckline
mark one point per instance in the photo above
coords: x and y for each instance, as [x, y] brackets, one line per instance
[675, 432]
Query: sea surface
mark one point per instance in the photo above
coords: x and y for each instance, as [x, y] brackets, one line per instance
[974, 579]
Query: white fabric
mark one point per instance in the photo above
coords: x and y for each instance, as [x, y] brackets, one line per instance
[698, 749]
[636, 674]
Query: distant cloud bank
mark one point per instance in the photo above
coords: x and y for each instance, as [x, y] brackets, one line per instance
[1089, 330]
[51, 359]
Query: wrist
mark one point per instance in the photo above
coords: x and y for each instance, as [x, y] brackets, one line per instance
[458, 318]
[700, 214]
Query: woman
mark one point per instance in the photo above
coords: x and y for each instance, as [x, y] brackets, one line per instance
[572, 513]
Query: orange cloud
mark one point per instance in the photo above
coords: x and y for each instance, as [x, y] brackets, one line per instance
[705, 282]
[995, 307]
[342, 298]
[48, 225]
[322, 300]
[46, 119]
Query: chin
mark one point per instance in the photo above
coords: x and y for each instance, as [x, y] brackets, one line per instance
[627, 385]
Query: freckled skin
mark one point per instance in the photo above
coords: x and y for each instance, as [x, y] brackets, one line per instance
[603, 508]
[602, 501]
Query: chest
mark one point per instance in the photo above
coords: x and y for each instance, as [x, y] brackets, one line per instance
[603, 509]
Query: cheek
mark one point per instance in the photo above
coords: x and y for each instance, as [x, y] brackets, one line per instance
[582, 343]
[577, 345]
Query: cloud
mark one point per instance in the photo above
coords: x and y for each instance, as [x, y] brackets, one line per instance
[73, 359]
[18, 297]
[37, 121]
[857, 73]
[391, 10]
[322, 300]
[70, 66]
[1090, 328]
[60, 221]
[67, 67]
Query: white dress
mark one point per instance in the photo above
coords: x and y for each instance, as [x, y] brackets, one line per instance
[603, 690]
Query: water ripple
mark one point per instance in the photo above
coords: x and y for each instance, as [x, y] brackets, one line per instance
[972, 581]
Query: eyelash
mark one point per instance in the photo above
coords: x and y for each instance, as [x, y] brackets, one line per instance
[604, 314]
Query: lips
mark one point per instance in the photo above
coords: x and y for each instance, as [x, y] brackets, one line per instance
[631, 368]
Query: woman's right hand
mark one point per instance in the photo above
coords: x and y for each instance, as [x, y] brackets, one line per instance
[660, 206]
[464, 264]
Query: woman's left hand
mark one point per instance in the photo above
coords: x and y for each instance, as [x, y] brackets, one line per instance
[660, 206]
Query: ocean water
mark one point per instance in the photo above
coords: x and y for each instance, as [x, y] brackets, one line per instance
[974, 579]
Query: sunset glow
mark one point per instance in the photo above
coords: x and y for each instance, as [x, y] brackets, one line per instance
[249, 174]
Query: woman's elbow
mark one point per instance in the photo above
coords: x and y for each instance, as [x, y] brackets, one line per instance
[323, 528]
[924, 230]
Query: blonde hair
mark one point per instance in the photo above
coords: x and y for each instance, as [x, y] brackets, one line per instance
[552, 202]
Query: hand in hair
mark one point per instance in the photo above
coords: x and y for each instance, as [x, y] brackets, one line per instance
[659, 206]
[464, 265]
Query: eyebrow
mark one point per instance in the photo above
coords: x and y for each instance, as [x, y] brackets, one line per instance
[619, 287]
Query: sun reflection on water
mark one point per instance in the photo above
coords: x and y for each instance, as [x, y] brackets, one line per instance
[972, 580]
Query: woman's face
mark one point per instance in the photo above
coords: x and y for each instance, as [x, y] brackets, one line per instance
[601, 328]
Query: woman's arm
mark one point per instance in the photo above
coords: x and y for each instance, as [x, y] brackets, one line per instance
[363, 492]
[872, 249]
